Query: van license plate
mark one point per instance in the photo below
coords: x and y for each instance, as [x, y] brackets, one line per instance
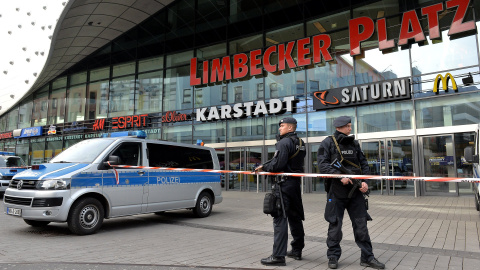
[14, 211]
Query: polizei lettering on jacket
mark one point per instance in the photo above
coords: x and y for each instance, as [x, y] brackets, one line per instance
[246, 109]
[385, 91]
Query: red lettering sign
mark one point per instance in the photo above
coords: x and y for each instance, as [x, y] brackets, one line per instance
[6, 135]
[123, 122]
[360, 29]
[173, 116]
[99, 124]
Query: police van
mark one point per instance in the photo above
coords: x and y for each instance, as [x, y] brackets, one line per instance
[9, 166]
[114, 176]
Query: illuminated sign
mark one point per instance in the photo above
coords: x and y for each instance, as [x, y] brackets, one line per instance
[99, 124]
[448, 78]
[31, 132]
[246, 109]
[52, 130]
[391, 90]
[173, 116]
[123, 122]
[74, 127]
[310, 50]
[6, 135]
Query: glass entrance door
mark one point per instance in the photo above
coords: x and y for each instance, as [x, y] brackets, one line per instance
[390, 157]
[243, 159]
[442, 157]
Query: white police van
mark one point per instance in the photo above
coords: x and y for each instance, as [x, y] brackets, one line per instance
[80, 187]
[9, 166]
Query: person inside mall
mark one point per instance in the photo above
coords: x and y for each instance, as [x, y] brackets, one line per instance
[343, 194]
[289, 157]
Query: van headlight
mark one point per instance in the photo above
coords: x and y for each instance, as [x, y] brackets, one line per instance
[53, 184]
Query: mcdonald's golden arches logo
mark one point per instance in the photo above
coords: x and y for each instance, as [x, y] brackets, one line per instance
[448, 78]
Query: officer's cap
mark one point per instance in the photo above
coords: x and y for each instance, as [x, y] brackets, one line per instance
[341, 121]
[288, 120]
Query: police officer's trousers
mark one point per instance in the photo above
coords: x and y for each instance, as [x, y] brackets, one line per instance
[280, 230]
[356, 209]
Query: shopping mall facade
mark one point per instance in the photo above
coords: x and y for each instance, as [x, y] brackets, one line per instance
[225, 73]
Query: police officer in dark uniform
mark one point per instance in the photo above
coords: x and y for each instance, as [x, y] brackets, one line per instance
[343, 147]
[289, 157]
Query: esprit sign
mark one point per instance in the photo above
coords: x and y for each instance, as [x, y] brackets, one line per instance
[311, 50]
[357, 95]
[246, 109]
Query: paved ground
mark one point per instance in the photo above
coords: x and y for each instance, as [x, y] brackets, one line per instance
[407, 233]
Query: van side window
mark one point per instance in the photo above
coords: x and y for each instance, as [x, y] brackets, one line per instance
[160, 155]
[130, 153]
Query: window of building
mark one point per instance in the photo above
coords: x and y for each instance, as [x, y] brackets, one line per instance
[180, 134]
[150, 64]
[97, 100]
[148, 96]
[78, 78]
[25, 113]
[260, 91]
[40, 106]
[321, 123]
[99, 74]
[56, 107]
[238, 93]
[210, 132]
[385, 117]
[123, 69]
[224, 93]
[122, 96]
[76, 103]
[177, 80]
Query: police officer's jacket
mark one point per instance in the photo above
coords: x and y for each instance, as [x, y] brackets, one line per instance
[286, 147]
[350, 150]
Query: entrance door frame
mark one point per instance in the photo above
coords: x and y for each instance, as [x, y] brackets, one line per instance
[433, 132]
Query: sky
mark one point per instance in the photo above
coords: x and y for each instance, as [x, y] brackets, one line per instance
[25, 30]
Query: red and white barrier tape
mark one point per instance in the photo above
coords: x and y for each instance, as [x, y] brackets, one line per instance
[372, 177]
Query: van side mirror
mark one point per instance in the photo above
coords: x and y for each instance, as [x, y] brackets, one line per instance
[113, 160]
[469, 156]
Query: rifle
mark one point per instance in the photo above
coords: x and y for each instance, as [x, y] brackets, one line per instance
[357, 183]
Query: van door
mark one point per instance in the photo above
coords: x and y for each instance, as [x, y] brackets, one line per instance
[128, 195]
[174, 189]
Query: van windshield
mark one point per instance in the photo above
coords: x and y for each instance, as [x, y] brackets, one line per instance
[82, 152]
[11, 162]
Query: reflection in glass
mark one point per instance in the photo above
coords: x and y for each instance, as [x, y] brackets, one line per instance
[25, 114]
[385, 117]
[272, 125]
[376, 66]
[210, 132]
[245, 44]
[464, 169]
[243, 89]
[249, 129]
[448, 111]
[76, 103]
[40, 107]
[12, 119]
[286, 83]
[56, 107]
[448, 54]
[121, 96]
[438, 160]
[148, 92]
[177, 84]
[321, 123]
[22, 150]
[53, 149]
[97, 100]
[38, 152]
[179, 134]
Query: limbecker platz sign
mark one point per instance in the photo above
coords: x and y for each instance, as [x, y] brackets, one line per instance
[311, 50]
[364, 94]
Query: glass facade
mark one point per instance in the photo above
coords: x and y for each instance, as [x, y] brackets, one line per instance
[152, 76]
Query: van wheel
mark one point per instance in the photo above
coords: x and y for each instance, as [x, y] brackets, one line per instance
[86, 216]
[36, 223]
[203, 208]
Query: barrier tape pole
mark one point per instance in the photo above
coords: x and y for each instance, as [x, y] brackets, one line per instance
[317, 175]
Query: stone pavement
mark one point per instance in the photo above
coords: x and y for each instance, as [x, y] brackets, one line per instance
[407, 233]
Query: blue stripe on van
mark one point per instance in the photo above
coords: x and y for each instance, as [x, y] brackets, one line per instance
[133, 178]
[50, 170]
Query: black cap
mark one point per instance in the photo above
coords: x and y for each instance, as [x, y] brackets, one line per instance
[288, 120]
[341, 121]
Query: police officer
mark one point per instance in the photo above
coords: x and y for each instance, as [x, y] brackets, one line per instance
[343, 147]
[289, 157]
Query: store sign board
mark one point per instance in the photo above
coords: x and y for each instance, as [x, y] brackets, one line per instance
[241, 110]
[444, 80]
[386, 91]
[173, 116]
[6, 135]
[311, 50]
[31, 132]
